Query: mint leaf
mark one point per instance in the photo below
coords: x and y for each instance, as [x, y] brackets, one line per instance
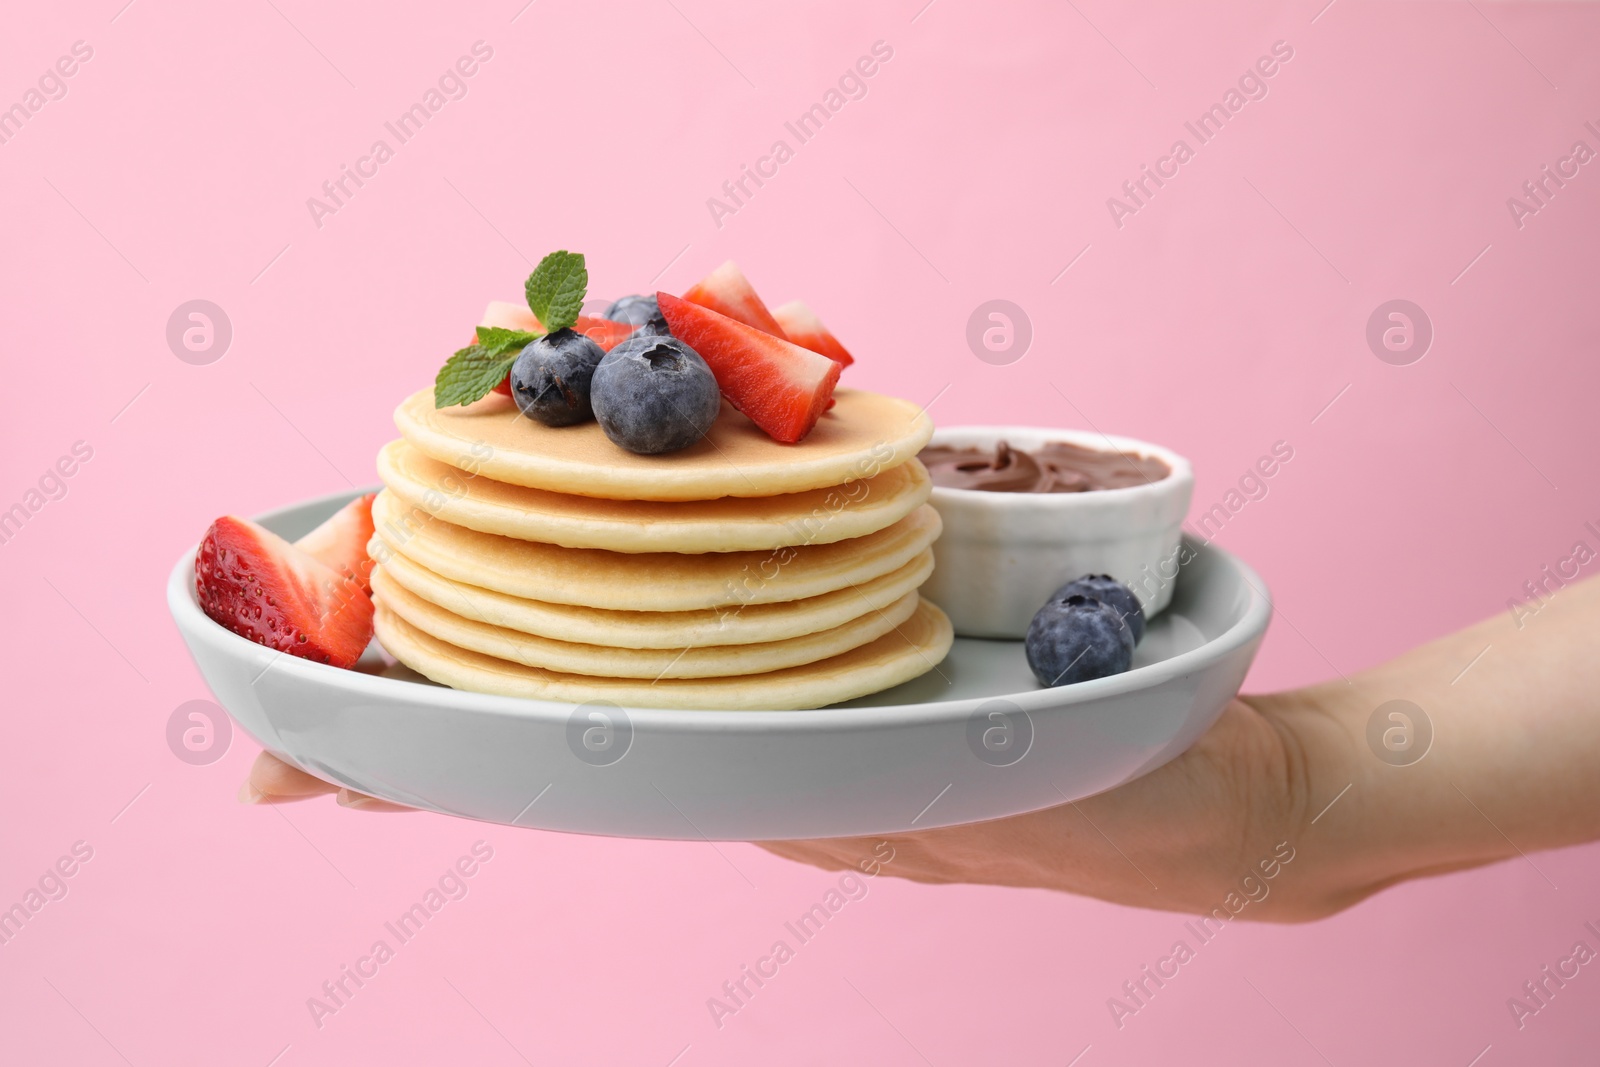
[499, 337]
[556, 289]
[471, 373]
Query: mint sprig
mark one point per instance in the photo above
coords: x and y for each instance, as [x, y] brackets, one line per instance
[556, 289]
[555, 292]
[473, 371]
[502, 338]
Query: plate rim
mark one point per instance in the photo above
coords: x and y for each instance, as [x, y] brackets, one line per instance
[194, 624]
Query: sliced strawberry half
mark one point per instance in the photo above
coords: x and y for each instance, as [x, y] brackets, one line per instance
[340, 544]
[509, 316]
[261, 587]
[604, 332]
[728, 292]
[782, 387]
[801, 325]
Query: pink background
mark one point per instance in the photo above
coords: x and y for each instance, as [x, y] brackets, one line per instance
[1222, 317]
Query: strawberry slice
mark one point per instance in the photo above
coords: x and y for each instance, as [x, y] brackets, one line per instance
[727, 292]
[261, 587]
[782, 387]
[801, 325]
[340, 544]
[509, 316]
[604, 332]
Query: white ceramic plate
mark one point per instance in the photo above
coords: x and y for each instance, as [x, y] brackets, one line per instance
[978, 739]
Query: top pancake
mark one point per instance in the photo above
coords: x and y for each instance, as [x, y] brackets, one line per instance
[864, 435]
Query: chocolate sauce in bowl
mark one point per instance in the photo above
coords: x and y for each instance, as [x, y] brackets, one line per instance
[1054, 467]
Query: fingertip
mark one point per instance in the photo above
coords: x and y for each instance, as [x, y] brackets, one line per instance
[361, 802]
[274, 780]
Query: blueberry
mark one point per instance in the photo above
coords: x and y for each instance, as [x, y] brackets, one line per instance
[1108, 590]
[634, 310]
[550, 380]
[655, 394]
[1076, 639]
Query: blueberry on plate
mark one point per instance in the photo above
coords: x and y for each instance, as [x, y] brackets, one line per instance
[655, 394]
[1108, 590]
[1076, 639]
[551, 378]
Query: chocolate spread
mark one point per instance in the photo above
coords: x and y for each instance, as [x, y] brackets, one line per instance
[1055, 467]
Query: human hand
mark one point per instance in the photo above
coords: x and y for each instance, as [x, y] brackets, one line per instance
[1179, 838]
[1246, 818]
[1210, 824]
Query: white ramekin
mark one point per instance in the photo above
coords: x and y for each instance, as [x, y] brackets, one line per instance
[1002, 554]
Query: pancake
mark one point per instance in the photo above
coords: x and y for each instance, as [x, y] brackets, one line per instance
[644, 581]
[686, 661]
[730, 524]
[731, 624]
[910, 649]
[864, 435]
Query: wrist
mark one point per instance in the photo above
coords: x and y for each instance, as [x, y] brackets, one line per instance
[1370, 811]
[1310, 877]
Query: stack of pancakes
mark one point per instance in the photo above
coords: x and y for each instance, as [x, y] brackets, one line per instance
[739, 573]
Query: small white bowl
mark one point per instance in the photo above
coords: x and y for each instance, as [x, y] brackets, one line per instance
[1002, 554]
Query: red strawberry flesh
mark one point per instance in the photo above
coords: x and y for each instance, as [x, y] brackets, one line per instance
[604, 332]
[340, 543]
[782, 387]
[728, 292]
[801, 325]
[266, 590]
